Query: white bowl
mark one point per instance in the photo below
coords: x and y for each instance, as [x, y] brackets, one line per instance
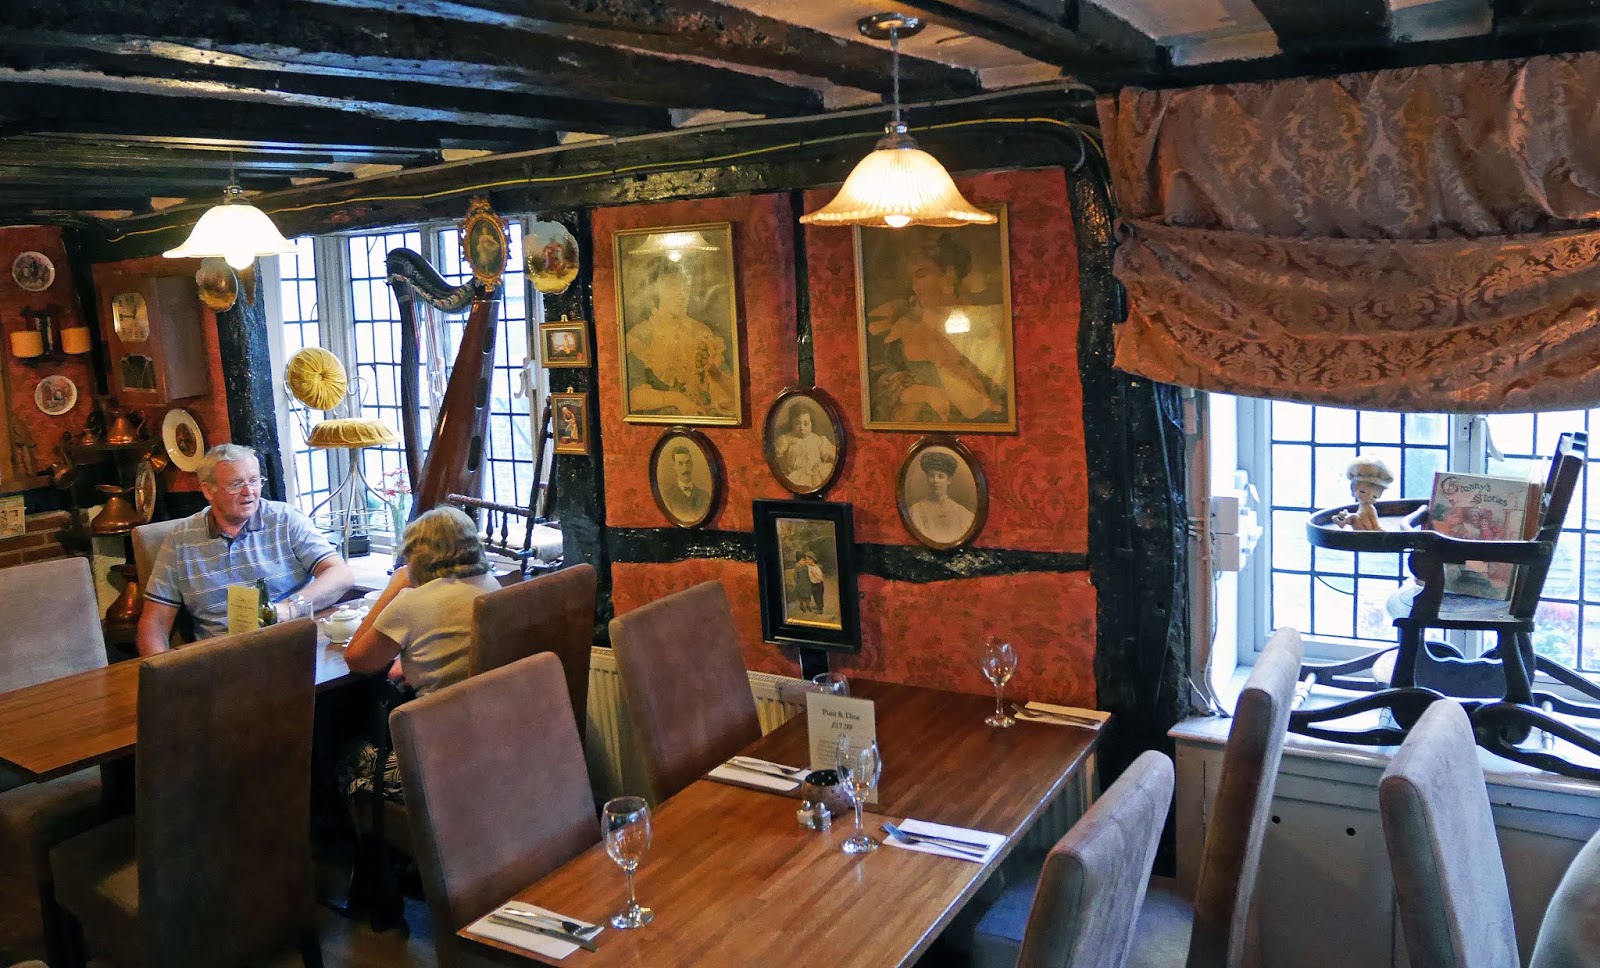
[371, 598]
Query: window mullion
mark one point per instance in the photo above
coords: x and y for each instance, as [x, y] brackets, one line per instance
[332, 256]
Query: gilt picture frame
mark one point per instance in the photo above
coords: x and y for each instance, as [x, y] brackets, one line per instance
[678, 325]
[937, 346]
[564, 344]
[806, 572]
[569, 413]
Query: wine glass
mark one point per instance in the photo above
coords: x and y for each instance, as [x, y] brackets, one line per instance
[626, 821]
[860, 765]
[832, 683]
[998, 663]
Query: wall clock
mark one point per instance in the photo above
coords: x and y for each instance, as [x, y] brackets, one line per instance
[33, 271]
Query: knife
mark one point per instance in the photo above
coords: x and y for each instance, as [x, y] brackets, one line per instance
[511, 921]
[763, 772]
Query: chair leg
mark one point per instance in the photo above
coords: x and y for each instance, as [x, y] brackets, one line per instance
[311, 949]
[64, 941]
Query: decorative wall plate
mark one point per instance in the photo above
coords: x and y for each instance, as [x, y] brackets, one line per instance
[219, 286]
[33, 271]
[184, 442]
[144, 489]
[55, 394]
[552, 257]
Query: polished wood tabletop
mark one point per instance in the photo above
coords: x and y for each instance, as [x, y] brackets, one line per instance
[734, 880]
[64, 725]
[941, 763]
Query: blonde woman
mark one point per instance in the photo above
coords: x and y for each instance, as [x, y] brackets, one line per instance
[425, 615]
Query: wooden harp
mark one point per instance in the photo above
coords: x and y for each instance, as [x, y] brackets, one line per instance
[454, 464]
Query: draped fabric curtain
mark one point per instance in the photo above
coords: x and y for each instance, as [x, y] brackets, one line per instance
[1417, 239]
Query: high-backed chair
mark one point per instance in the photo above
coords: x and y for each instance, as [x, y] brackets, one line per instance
[52, 629]
[1213, 930]
[548, 613]
[686, 687]
[1082, 910]
[147, 542]
[1449, 882]
[214, 868]
[497, 789]
[1569, 937]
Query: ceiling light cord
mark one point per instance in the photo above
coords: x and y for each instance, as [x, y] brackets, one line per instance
[894, 69]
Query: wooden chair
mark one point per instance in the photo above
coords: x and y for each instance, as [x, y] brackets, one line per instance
[686, 686]
[214, 868]
[1212, 932]
[52, 622]
[1082, 910]
[497, 788]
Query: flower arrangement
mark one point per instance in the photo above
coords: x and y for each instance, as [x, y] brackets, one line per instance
[394, 486]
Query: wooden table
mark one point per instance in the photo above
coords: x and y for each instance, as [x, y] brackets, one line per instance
[64, 725]
[734, 880]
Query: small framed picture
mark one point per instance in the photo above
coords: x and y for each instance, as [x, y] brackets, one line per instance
[564, 343]
[804, 441]
[942, 493]
[570, 413]
[483, 242]
[686, 477]
[806, 568]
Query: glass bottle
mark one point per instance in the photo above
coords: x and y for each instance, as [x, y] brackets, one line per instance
[266, 614]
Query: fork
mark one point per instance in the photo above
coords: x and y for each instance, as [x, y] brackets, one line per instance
[764, 766]
[571, 927]
[977, 853]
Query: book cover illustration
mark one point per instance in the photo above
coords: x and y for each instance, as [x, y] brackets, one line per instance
[1482, 507]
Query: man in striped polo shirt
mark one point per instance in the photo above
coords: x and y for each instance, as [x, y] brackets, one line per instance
[239, 539]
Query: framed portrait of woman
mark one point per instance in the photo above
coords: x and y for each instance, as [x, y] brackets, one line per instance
[570, 413]
[677, 312]
[804, 441]
[942, 493]
[686, 477]
[935, 328]
[483, 242]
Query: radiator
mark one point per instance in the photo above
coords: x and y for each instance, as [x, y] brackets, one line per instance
[614, 771]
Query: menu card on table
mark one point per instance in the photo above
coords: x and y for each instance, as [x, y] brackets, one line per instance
[829, 717]
[244, 609]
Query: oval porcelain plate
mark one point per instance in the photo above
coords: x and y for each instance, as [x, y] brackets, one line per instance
[33, 271]
[184, 442]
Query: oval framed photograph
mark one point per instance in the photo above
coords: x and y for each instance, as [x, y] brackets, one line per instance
[686, 477]
[33, 271]
[942, 494]
[804, 441]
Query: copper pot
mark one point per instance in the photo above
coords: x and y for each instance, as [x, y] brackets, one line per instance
[126, 426]
[124, 612]
[119, 515]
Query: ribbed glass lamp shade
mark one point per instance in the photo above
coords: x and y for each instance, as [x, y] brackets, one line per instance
[898, 185]
[235, 230]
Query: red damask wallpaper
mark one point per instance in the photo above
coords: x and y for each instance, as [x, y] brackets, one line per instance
[926, 634]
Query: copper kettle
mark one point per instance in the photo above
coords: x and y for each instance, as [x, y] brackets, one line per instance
[126, 426]
[119, 515]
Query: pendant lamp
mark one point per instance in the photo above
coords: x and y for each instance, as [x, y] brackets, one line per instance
[898, 184]
[235, 230]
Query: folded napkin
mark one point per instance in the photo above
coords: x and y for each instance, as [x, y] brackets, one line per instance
[994, 841]
[734, 773]
[1030, 713]
[532, 941]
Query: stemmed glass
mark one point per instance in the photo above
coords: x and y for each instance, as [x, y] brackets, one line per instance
[860, 765]
[832, 683]
[626, 821]
[998, 663]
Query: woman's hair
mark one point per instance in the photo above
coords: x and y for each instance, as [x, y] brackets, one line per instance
[933, 460]
[443, 543]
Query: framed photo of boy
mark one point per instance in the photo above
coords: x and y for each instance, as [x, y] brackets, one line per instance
[806, 569]
[570, 413]
[677, 315]
[564, 343]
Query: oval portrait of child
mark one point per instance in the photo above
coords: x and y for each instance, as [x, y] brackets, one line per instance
[804, 441]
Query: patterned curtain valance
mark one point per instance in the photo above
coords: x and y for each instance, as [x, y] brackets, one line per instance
[1420, 239]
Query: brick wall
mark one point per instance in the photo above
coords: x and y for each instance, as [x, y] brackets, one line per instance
[41, 543]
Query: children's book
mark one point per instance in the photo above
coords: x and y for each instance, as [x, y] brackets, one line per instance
[1482, 507]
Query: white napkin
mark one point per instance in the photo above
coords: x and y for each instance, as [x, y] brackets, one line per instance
[994, 841]
[1098, 715]
[736, 774]
[532, 941]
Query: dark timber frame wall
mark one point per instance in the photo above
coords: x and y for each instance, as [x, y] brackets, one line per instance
[1137, 544]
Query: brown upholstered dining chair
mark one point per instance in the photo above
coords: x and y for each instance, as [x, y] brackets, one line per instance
[685, 684]
[550, 613]
[147, 542]
[1212, 931]
[1082, 910]
[497, 789]
[214, 868]
[52, 623]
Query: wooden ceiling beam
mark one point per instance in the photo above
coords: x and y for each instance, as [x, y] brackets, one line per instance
[112, 154]
[1112, 37]
[105, 63]
[705, 29]
[1026, 31]
[1331, 27]
[1536, 16]
[310, 37]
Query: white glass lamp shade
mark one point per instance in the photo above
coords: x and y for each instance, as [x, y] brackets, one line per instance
[235, 230]
[897, 185]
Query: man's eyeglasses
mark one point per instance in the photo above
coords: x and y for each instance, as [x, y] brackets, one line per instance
[238, 487]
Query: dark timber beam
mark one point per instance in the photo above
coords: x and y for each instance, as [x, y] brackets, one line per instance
[308, 37]
[43, 108]
[100, 63]
[1040, 37]
[1536, 16]
[117, 155]
[1112, 37]
[706, 29]
[1326, 26]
